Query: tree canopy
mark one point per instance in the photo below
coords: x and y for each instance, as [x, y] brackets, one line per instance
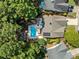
[10, 46]
[18, 8]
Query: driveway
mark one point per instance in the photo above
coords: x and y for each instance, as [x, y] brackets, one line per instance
[72, 21]
[75, 8]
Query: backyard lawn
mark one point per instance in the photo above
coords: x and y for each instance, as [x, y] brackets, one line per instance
[71, 2]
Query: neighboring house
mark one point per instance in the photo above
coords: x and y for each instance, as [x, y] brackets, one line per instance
[54, 26]
[59, 51]
[55, 5]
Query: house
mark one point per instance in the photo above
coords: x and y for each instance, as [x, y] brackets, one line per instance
[59, 51]
[49, 27]
[54, 26]
[55, 5]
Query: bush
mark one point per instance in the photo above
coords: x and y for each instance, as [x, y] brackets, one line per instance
[65, 14]
[72, 37]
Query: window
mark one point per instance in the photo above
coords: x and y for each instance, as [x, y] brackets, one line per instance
[46, 34]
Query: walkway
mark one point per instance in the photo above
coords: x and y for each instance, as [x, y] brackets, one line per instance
[75, 52]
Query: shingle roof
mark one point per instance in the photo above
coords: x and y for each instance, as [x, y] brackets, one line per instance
[54, 6]
[55, 25]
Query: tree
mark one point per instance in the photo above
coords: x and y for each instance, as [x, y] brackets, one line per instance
[22, 50]
[11, 49]
[18, 8]
[12, 9]
[7, 31]
[10, 46]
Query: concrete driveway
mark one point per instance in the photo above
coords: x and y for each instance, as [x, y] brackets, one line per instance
[72, 21]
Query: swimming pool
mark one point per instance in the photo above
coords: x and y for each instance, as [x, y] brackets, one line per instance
[32, 31]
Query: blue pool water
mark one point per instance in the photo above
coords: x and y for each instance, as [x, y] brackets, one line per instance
[32, 31]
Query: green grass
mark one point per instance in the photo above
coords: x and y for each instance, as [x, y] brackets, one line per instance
[72, 37]
[71, 2]
[77, 57]
[56, 40]
[72, 15]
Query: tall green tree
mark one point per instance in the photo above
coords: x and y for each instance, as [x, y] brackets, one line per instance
[10, 46]
[11, 9]
[23, 50]
[18, 8]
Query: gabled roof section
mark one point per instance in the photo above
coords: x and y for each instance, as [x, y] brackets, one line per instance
[55, 25]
